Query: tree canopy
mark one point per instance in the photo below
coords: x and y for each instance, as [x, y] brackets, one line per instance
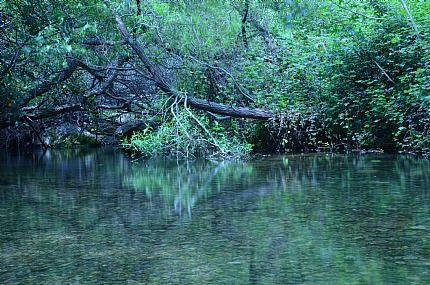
[203, 76]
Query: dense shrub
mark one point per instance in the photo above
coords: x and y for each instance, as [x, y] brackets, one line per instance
[379, 91]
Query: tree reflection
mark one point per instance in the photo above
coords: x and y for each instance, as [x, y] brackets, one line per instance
[95, 216]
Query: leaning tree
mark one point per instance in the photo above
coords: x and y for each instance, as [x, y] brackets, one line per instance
[101, 65]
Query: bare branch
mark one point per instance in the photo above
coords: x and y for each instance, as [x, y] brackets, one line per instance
[12, 62]
[98, 43]
[90, 70]
[383, 71]
[109, 107]
[218, 118]
[108, 83]
[30, 108]
[47, 85]
[30, 122]
[238, 86]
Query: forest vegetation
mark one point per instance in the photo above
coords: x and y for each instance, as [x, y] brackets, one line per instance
[188, 77]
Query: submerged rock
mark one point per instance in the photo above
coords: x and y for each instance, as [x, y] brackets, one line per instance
[129, 128]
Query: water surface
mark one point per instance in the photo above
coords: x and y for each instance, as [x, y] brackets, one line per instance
[101, 217]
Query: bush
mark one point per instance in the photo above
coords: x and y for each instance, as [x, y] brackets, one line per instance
[380, 90]
[187, 134]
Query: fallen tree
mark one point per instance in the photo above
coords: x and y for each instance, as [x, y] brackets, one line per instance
[201, 104]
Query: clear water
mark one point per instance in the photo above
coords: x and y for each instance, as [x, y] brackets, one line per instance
[98, 217]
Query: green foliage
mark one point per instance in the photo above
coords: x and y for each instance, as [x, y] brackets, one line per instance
[378, 95]
[338, 74]
[187, 134]
[37, 37]
[147, 142]
[354, 83]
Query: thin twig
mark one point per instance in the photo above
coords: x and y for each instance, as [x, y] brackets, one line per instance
[203, 127]
[383, 71]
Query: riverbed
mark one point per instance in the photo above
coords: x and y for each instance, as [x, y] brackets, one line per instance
[102, 216]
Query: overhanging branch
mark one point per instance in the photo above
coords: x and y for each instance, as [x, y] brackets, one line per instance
[139, 50]
[221, 109]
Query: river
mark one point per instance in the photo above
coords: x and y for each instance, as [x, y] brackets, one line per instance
[101, 216]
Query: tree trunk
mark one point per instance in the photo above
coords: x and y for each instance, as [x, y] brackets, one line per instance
[221, 109]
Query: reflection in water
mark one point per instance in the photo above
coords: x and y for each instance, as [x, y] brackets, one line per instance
[97, 217]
